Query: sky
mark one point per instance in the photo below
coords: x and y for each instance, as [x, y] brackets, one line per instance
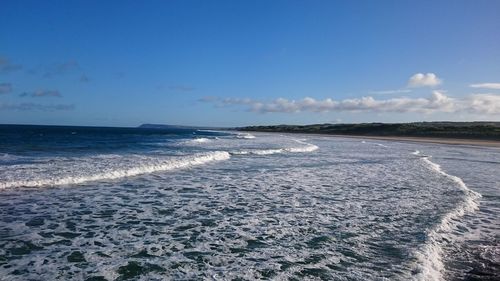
[248, 62]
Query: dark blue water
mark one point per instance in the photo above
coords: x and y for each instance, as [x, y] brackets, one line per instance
[67, 140]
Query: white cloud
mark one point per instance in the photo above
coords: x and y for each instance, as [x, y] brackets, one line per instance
[424, 80]
[484, 103]
[437, 102]
[494, 86]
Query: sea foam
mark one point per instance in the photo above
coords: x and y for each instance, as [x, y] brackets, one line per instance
[143, 167]
[306, 147]
[245, 136]
[430, 257]
[199, 140]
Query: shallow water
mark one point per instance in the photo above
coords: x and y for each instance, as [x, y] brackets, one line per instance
[117, 204]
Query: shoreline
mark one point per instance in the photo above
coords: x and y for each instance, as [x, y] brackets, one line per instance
[469, 142]
[449, 141]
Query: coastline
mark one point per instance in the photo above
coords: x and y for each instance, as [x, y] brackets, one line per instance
[449, 141]
[470, 142]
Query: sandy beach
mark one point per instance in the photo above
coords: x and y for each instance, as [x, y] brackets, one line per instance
[450, 141]
[472, 142]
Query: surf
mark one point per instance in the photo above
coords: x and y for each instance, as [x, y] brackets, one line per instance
[198, 140]
[93, 173]
[306, 147]
[245, 136]
[430, 256]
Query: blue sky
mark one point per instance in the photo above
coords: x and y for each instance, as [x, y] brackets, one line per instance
[230, 63]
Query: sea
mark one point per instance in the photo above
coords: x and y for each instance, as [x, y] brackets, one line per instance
[91, 203]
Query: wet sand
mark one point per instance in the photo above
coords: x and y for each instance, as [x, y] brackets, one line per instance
[451, 141]
[473, 142]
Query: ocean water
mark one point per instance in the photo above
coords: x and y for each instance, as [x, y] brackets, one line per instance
[134, 204]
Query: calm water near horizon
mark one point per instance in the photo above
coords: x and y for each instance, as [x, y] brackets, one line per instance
[80, 203]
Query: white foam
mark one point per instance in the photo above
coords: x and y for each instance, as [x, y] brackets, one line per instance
[154, 165]
[379, 144]
[8, 157]
[267, 151]
[245, 136]
[258, 151]
[307, 148]
[196, 141]
[200, 140]
[300, 149]
[431, 266]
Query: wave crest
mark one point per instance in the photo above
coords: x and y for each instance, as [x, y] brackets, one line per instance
[96, 174]
[431, 265]
[199, 140]
[308, 147]
[245, 136]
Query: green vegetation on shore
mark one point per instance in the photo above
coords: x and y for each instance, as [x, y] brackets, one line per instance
[459, 130]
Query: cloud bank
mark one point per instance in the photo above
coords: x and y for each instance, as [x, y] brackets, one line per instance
[424, 80]
[484, 103]
[437, 102]
[494, 86]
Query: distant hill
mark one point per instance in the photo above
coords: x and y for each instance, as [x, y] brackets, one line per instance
[462, 130]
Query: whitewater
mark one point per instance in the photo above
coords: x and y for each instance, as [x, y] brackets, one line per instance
[137, 204]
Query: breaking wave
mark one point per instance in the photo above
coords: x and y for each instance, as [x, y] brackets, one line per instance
[8, 157]
[199, 140]
[430, 257]
[245, 136]
[101, 171]
[307, 147]
[378, 144]
[74, 170]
